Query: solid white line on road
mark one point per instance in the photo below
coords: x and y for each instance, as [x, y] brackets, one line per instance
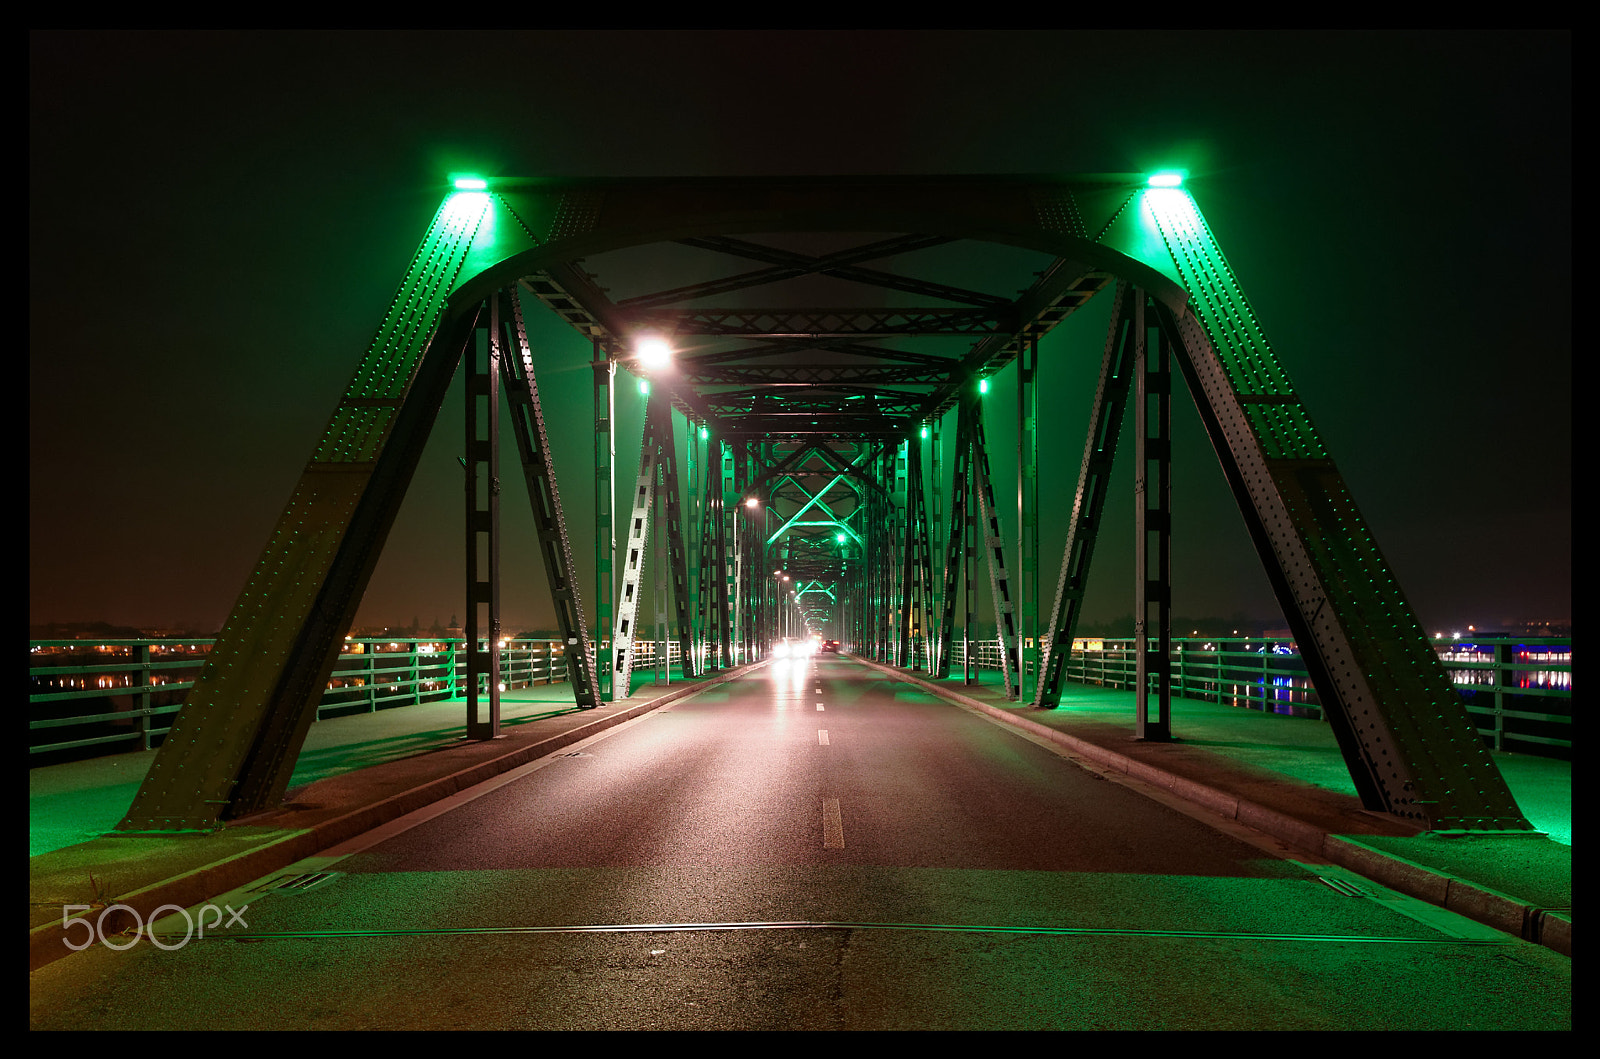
[832, 825]
[822, 737]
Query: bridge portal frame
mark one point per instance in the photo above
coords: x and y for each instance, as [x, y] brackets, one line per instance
[1406, 739]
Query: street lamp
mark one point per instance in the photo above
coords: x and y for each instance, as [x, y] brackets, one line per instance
[652, 351]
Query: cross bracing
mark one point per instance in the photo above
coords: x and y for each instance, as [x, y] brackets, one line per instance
[825, 335]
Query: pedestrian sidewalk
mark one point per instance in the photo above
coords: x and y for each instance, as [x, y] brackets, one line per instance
[1285, 776]
[1281, 775]
[353, 774]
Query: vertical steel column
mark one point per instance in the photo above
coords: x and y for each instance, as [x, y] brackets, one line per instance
[726, 552]
[663, 655]
[1152, 508]
[734, 479]
[674, 561]
[483, 525]
[936, 644]
[876, 548]
[712, 585]
[1028, 509]
[694, 526]
[954, 555]
[1094, 483]
[969, 539]
[905, 488]
[605, 539]
[923, 535]
[893, 559]
[750, 559]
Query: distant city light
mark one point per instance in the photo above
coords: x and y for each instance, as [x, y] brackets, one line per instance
[1167, 179]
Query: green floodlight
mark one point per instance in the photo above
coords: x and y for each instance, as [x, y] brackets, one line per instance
[470, 183]
[840, 538]
[924, 430]
[1168, 179]
[983, 385]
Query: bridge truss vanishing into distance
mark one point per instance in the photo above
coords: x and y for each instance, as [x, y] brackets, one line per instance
[821, 333]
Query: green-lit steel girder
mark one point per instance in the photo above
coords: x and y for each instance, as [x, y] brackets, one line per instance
[1094, 485]
[233, 746]
[482, 446]
[550, 524]
[808, 370]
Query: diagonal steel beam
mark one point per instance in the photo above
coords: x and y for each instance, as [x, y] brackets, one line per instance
[233, 746]
[1410, 745]
[1088, 505]
[675, 560]
[994, 552]
[633, 558]
[550, 524]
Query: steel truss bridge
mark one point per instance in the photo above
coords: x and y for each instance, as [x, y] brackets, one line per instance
[822, 332]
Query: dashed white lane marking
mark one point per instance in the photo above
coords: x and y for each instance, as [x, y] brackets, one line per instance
[819, 706]
[832, 825]
[822, 737]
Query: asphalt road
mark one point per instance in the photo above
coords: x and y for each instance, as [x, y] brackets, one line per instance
[813, 847]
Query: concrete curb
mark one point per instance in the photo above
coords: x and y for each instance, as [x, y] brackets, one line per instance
[47, 942]
[1547, 927]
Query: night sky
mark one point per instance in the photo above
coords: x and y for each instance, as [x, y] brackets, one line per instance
[218, 221]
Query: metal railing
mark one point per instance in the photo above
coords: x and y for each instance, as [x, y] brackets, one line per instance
[122, 693]
[1518, 690]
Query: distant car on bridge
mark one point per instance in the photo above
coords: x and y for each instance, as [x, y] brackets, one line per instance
[792, 647]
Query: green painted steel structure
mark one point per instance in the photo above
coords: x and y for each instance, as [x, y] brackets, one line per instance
[814, 368]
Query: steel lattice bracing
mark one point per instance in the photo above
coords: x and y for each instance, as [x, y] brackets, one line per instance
[823, 329]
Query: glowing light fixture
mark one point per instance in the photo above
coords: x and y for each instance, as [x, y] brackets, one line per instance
[470, 183]
[1168, 179]
[653, 351]
[983, 385]
[752, 503]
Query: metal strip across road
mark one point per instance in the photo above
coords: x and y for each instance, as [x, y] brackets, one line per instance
[957, 928]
